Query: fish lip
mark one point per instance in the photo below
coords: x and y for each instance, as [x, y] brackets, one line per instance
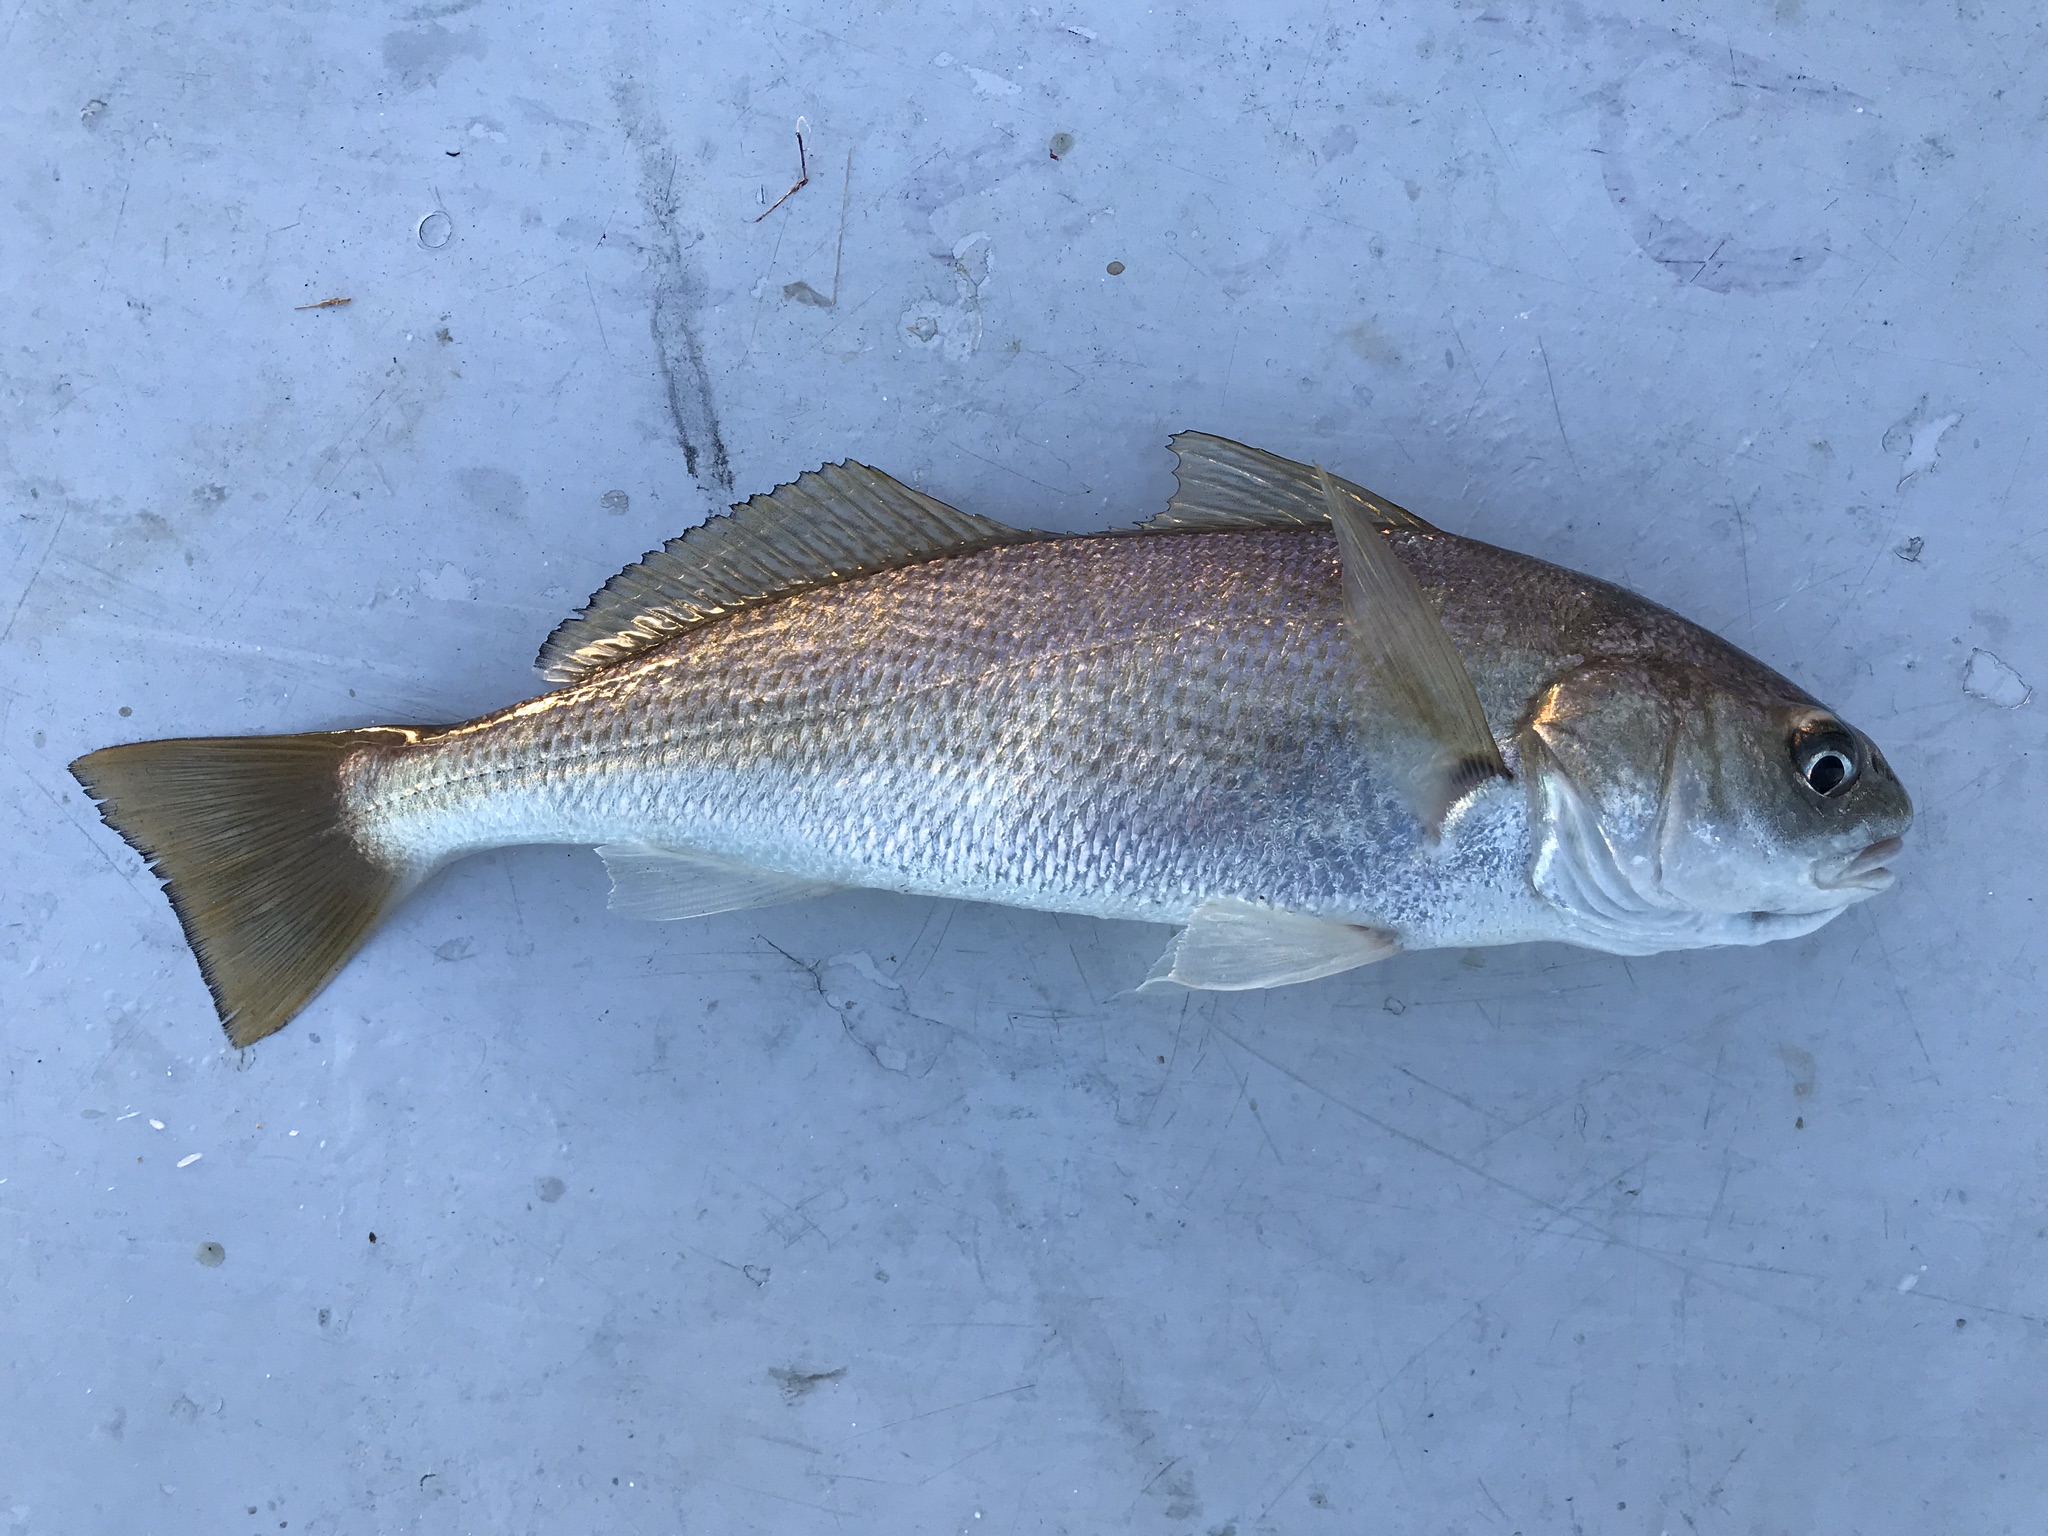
[1866, 871]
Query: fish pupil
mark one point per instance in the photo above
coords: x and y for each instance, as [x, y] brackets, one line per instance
[1827, 772]
[1825, 755]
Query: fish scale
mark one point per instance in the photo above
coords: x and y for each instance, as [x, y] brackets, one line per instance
[1120, 726]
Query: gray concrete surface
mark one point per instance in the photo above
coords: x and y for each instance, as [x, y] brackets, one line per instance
[878, 1215]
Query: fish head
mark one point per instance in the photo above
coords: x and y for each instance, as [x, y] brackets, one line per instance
[1678, 805]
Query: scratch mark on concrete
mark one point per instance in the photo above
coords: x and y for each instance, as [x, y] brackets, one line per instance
[597, 314]
[85, 830]
[1556, 409]
[49, 548]
[1742, 548]
[1684, 1263]
[986, 1397]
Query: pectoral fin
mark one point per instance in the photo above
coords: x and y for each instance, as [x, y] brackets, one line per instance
[668, 884]
[1411, 658]
[1238, 946]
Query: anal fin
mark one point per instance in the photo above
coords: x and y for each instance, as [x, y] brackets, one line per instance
[669, 884]
[1238, 946]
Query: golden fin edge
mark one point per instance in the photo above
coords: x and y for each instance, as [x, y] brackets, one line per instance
[827, 526]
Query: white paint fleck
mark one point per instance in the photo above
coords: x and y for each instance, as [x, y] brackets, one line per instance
[954, 329]
[990, 84]
[1917, 436]
[1086, 34]
[1907, 1282]
[156, 1125]
[189, 1159]
[448, 585]
[1989, 679]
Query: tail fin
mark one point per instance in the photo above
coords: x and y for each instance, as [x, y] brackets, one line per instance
[250, 835]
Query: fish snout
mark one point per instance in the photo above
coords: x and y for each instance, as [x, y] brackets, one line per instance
[1865, 872]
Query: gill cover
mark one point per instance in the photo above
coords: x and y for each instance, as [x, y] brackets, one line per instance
[1639, 844]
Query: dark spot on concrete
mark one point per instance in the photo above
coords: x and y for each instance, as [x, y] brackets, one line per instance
[209, 495]
[797, 1385]
[212, 1255]
[443, 336]
[615, 502]
[1182, 1502]
[1805, 1071]
[493, 490]
[373, 1237]
[326, 1316]
[1115, 269]
[126, 711]
[550, 1188]
[758, 1273]
[1060, 146]
[421, 56]
[1368, 341]
[1693, 204]
[678, 292]
[455, 949]
[1339, 142]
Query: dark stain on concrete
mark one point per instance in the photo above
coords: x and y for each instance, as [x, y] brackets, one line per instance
[678, 292]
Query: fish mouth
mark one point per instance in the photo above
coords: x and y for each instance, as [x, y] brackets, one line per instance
[1866, 872]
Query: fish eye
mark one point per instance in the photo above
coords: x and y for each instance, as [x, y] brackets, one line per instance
[1826, 756]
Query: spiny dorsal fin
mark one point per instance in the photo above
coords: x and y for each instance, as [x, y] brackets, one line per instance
[828, 526]
[1222, 485]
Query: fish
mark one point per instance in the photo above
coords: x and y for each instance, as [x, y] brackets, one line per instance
[1291, 719]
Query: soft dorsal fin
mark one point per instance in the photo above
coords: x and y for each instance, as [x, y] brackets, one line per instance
[1221, 485]
[831, 525]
